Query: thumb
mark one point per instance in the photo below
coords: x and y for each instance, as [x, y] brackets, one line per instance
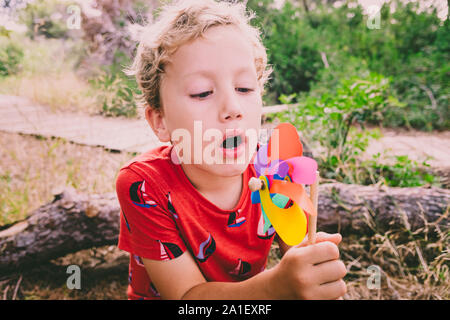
[336, 238]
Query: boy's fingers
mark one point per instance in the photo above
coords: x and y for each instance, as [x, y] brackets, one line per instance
[330, 271]
[332, 290]
[319, 252]
[336, 238]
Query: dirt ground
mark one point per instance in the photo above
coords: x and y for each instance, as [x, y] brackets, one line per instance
[433, 147]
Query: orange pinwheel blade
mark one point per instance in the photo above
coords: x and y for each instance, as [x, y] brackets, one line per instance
[295, 192]
[284, 143]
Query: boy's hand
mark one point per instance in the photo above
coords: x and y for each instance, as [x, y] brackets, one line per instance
[311, 271]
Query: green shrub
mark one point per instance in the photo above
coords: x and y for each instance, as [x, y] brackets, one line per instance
[354, 101]
[115, 91]
[311, 51]
[329, 121]
[45, 18]
[11, 56]
[404, 172]
[291, 50]
[116, 94]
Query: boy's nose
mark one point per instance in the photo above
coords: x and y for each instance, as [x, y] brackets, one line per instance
[231, 109]
[232, 114]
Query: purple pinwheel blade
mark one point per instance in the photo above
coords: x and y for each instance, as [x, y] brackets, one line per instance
[261, 160]
[283, 169]
[279, 167]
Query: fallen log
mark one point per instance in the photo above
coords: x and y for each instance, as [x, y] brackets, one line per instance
[74, 221]
[70, 223]
[362, 210]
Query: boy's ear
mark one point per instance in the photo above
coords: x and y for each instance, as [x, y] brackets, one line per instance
[155, 119]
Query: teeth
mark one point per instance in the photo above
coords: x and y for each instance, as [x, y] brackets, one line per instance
[232, 142]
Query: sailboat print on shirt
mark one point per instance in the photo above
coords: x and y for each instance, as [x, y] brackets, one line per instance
[138, 260]
[170, 206]
[139, 196]
[235, 222]
[169, 250]
[260, 231]
[153, 290]
[126, 220]
[242, 268]
[206, 249]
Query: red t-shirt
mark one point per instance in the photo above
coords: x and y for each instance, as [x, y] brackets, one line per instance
[163, 215]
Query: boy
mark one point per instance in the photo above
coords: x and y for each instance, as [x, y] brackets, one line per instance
[190, 227]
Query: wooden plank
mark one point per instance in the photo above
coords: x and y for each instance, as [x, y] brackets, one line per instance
[12, 118]
[19, 115]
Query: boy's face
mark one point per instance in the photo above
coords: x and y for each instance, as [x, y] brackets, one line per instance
[211, 91]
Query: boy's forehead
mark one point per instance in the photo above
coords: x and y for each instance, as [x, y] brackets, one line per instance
[210, 73]
[221, 45]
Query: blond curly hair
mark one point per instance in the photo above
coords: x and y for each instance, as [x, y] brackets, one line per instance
[179, 22]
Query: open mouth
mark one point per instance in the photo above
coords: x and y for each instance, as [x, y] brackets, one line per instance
[233, 145]
[232, 142]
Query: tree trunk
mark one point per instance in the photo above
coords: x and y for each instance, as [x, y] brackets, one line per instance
[356, 209]
[73, 221]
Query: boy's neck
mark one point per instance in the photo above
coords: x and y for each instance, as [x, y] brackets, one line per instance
[224, 192]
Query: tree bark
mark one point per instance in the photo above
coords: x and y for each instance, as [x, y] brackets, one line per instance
[74, 221]
[356, 209]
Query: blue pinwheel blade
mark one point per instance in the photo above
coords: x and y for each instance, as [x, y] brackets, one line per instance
[255, 197]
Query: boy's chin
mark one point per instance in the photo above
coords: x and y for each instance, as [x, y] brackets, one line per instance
[228, 169]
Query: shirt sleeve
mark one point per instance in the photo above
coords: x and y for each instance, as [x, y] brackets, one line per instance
[147, 229]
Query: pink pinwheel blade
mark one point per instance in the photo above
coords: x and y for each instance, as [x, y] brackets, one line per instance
[304, 169]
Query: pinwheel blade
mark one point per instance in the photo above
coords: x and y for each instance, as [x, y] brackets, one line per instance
[261, 160]
[284, 143]
[304, 170]
[290, 224]
[296, 193]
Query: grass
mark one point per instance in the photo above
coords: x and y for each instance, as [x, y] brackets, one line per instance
[61, 91]
[413, 264]
[48, 76]
[32, 169]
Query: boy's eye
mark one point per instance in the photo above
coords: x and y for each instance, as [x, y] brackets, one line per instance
[245, 89]
[205, 94]
[201, 95]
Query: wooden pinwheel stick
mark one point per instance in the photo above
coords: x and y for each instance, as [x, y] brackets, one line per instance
[312, 220]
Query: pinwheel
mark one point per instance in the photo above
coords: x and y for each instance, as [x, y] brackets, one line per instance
[282, 171]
